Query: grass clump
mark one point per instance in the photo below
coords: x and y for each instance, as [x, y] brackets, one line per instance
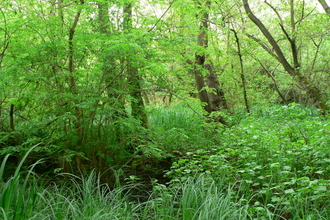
[178, 128]
[198, 198]
[23, 196]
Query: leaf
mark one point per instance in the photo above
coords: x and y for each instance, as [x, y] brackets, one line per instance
[289, 191]
[321, 188]
[275, 165]
[276, 199]
[287, 168]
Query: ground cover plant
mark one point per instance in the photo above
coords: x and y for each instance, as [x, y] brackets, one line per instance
[279, 159]
[270, 164]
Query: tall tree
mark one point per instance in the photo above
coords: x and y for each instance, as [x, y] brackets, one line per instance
[210, 93]
[133, 77]
[294, 68]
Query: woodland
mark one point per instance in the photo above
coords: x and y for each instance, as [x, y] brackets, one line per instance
[165, 109]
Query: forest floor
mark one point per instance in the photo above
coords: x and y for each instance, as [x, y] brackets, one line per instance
[273, 163]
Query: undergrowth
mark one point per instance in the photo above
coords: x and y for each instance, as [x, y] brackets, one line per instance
[270, 164]
[24, 198]
[279, 158]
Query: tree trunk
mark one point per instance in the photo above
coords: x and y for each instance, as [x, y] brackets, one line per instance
[312, 91]
[11, 117]
[242, 71]
[74, 90]
[213, 100]
[216, 97]
[137, 104]
[325, 6]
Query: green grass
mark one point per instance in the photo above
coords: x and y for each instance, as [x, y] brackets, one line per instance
[178, 116]
[270, 164]
[86, 198]
[23, 196]
[178, 128]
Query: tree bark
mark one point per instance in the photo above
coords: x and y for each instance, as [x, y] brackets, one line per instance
[213, 100]
[11, 117]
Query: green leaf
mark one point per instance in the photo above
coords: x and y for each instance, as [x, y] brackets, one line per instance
[289, 191]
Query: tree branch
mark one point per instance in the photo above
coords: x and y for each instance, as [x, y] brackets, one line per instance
[325, 6]
[263, 45]
[161, 17]
[270, 38]
[276, 12]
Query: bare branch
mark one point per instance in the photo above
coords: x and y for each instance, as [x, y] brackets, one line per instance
[161, 17]
[263, 45]
[276, 12]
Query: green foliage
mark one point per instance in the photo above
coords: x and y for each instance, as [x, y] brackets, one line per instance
[279, 159]
[71, 96]
[263, 167]
[177, 128]
[87, 198]
[66, 75]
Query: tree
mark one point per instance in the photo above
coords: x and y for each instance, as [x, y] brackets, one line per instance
[133, 78]
[210, 93]
[292, 69]
[325, 6]
[242, 75]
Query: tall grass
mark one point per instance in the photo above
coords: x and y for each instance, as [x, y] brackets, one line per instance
[177, 128]
[86, 198]
[23, 197]
[17, 195]
[179, 116]
[198, 198]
